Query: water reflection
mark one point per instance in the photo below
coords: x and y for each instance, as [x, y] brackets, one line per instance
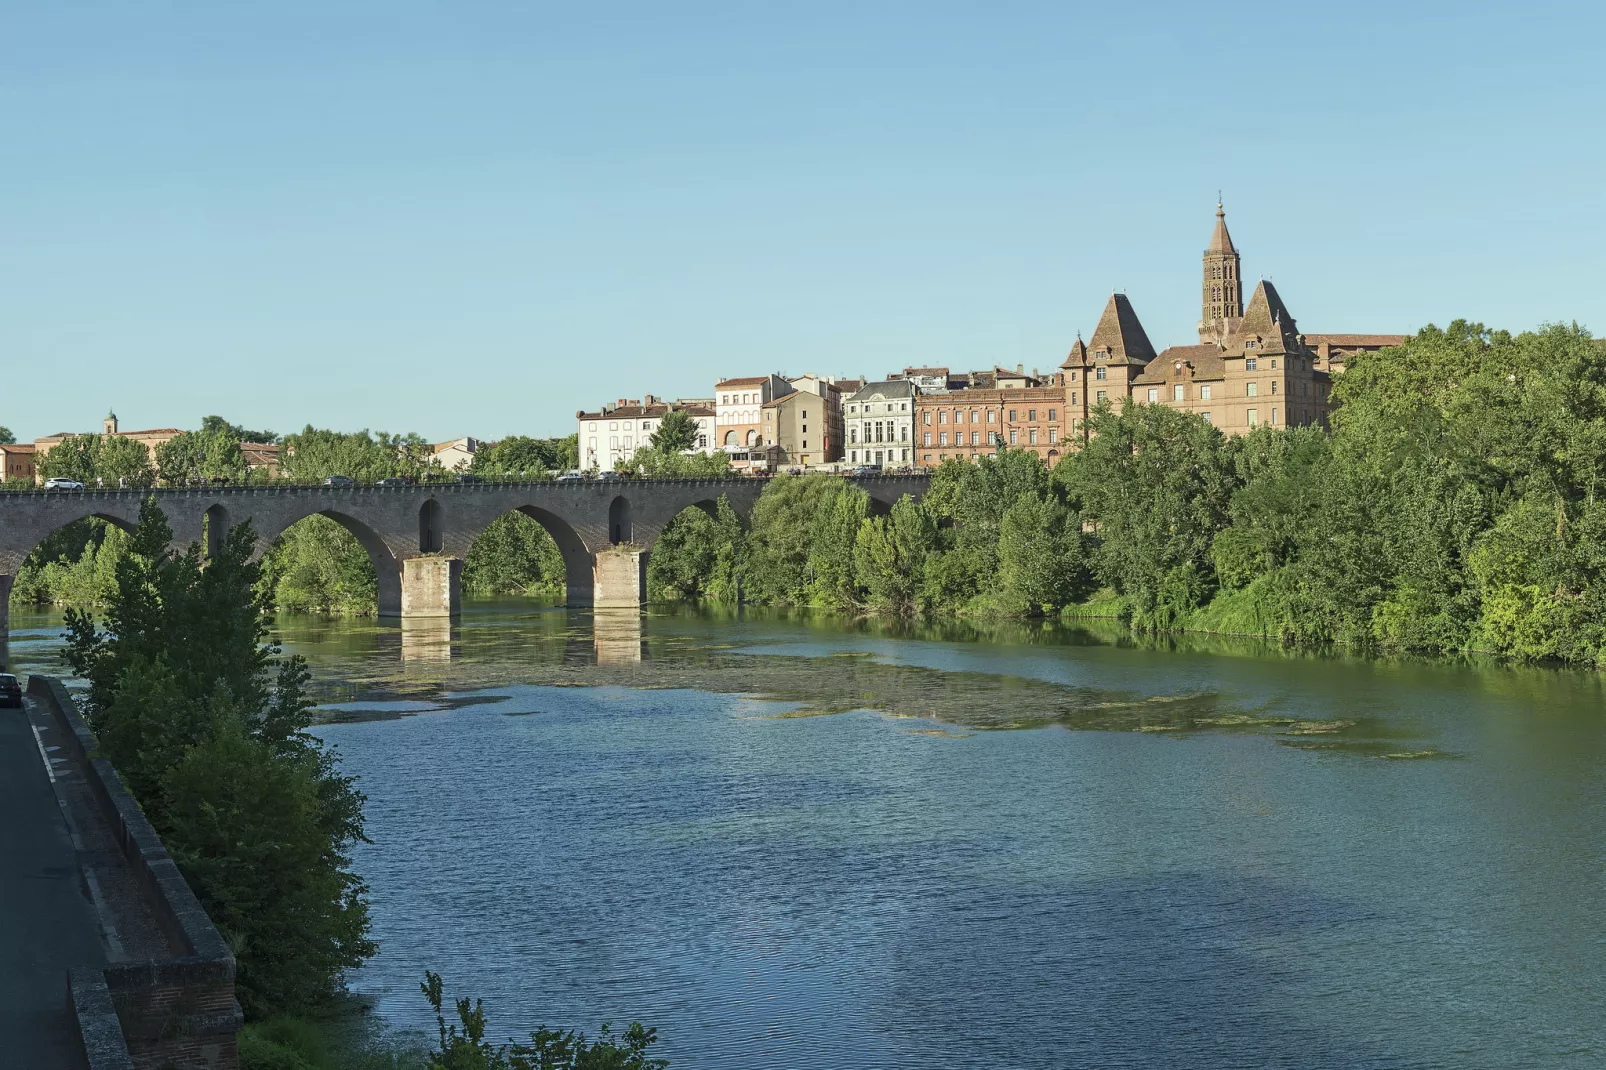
[617, 636]
[429, 638]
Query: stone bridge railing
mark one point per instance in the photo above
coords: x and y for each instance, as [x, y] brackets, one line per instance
[417, 535]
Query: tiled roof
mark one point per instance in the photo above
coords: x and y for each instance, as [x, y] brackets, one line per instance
[752, 380]
[1343, 340]
[926, 371]
[1220, 241]
[1206, 360]
[648, 412]
[16, 447]
[151, 431]
[1077, 356]
[1269, 319]
[1120, 332]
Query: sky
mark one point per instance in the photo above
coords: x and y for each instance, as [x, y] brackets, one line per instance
[475, 218]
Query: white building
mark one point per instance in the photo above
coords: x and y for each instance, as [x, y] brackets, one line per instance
[879, 420]
[456, 455]
[612, 436]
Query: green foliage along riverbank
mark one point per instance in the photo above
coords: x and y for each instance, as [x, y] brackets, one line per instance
[1455, 505]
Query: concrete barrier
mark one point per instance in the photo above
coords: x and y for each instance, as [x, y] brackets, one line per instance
[179, 1012]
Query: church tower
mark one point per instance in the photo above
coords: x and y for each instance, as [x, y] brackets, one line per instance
[1222, 303]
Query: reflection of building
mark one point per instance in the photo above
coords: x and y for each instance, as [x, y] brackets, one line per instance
[617, 636]
[880, 422]
[16, 461]
[611, 436]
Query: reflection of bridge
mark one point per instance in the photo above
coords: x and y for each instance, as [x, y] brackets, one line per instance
[417, 536]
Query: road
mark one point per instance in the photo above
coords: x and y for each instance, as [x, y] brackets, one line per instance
[47, 922]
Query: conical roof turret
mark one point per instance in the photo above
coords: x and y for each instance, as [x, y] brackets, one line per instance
[1221, 241]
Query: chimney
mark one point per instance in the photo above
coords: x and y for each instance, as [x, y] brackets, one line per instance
[651, 399]
[1020, 369]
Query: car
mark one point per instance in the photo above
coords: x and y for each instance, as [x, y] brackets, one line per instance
[339, 481]
[608, 475]
[10, 691]
[571, 477]
[63, 484]
[866, 470]
[465, 477]
[394, 481]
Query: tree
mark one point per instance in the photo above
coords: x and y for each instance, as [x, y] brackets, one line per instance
[890, 555]
[514, 555]
[1040, 559]
[677, 432]
[208, 454]
[206, 723]
[364, 456]
[108, 459]
[518, 457]
[6, 437]
[219, 426]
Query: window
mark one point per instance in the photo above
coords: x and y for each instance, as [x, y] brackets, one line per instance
[1053, 415]
[1053, 434]
[1154, 395]
[725, 399]
[992, 416]
[1274, 416]
[1251, 390]
[1204, 392]
[1250, 364]
[853, 455]
[1100, 399]
[1177, 392]
[1073, 397]
[1273, 363]
[904, 434]
[1073, 377]
[925, 417]
[1014, 436]
[1031, 415]
[927, 440]
[942, 417]
[1031, 436]
[975, 416]
[1252, 420]
[1206, 416]
[1274, 386]
[853, 434]
[613, 442]
[853, 408]
[942, 438]
[613, 425]
[1098, 373]
[903, 406]
[903, 455]
[627, 442]
[702, 442]
[1011, 415]
[975, 438]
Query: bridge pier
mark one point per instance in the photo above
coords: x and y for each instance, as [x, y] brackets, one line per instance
[621, 578]
[5, 619]
[431, 587]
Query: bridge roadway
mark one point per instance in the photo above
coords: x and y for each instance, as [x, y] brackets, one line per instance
[417, 535]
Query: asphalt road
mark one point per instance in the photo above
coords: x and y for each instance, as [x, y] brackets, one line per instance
[47, 922]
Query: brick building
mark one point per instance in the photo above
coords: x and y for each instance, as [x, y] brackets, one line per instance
[16, 461]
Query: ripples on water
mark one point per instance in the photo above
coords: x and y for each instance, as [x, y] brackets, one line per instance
[911, 891]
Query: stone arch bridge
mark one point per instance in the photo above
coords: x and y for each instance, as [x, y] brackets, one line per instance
[417, 535]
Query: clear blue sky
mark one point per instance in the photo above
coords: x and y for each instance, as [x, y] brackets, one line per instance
[475, 218]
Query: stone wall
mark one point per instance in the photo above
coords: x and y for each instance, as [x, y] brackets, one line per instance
[177, 1013]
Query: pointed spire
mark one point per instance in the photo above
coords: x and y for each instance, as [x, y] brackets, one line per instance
[1220, 241]
[1120, 332]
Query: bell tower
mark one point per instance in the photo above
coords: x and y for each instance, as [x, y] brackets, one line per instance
[1222, 301]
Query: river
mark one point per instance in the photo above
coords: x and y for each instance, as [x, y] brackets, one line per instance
[801, 841]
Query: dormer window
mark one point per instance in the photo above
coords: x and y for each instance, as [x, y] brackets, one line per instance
[1251, 345]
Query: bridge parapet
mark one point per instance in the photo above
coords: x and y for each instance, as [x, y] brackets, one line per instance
[397, 524]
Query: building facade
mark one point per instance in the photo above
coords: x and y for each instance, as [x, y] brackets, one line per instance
[16, 461]
[611, 436]
[739, 410]
[151, 438]
[879, 418]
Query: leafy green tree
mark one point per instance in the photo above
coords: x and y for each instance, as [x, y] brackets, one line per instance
[462, 1044]
[217, 425]
[1156, 482]
[107, 459]
[518, 457]
[677, 432]
[206, 722]
[514, 555]
[317, 566]
[1041, 566]
[364, 456]
[652, 464]
[890, 555]
[698, 556]
[6, 437]
[207, 454]
[829, 576]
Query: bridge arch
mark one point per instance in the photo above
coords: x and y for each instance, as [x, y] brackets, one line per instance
[430, 539]
[387, 567]
[619, 516]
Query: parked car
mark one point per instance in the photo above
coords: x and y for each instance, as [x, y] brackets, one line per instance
[10, 691]
[571, 477]
[608, 475]
[465, 477]
[394, 481]
[339, 481]
[63, 484]
[866, 470]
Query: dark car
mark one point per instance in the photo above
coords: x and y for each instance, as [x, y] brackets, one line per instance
[464, 477]
[338, 481]
[394, 481]
[10, 691]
